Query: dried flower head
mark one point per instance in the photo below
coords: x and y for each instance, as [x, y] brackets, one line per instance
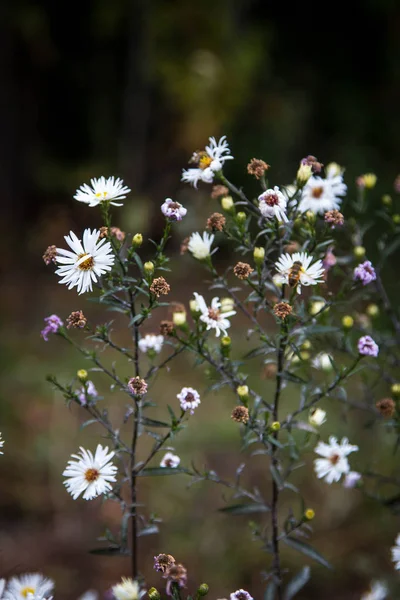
[334, 218]
[240, 414]
[166, 328]
[159, 286]
[257, 168]
[185, 245]
[77, 320]
[50, 255]
[282, 310]
[269, 371]
[163, 562]
[312, 161]
[176, 574]
[216, 222]
[386, 407]
[137, 386]
[219, 191]
[113, 231]
[242, 270]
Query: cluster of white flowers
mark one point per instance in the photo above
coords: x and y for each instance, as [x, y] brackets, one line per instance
[151, 342]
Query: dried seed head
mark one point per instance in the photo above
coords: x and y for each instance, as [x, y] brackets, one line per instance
[185, 245]
[219, 191]
[137, 386]
[114, 231]
[313, 163]
[269, 371]
[282, 310]
[242, 270]
[334, 217]
[50, 255]
[76, 320]
[163, 562]
[257, 168]
[386, 407]
[216, 222]
[178, 574]
[166, 327]
[240, 414]
[159, 286]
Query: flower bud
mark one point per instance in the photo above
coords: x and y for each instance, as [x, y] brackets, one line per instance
[306, 345]
[359, 251]
[372, 310]
[82, 375]
[227, 304]
[137, 240]
[304, 355]
[303, 174]
[226, 341]
[395, 389]
[369, 180]
[317, 417]
[179, 318]
[148, 267]
[311, 216]
[228, 204]
[242, 391]
[386, 200]
[396, 219]
[203, 589]
[333, 169]
[241, 218]
[154, 594]
[316, 307]
[309, 514]
[347, 322]
[275, 426]
[194, 307]
[259, 255]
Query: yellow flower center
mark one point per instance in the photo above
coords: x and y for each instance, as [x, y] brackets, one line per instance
[92, 475]
[205, 161]
[26, 591]
[101, 194]
[86, 265]
[317, 192]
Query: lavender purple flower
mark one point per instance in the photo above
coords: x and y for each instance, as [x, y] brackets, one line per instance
[87, 392]
[367, 346]
[173, 210]
[365, 273]
[53, 324]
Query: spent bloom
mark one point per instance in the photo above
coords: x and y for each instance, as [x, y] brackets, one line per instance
[396, 553]
[365, 273]
[177, 573]
[257, 167]
[128, 589]
[272, 203]
[189, 399]
[76, 320]
[200, 247]
[240, 595]
[170, 460]
[213, 316]
[151, 342]
[323, 195]
[53, 324]
[173, 210]
[137, 386]
[102, 190]
[296, 270]
[367, 347]
[163, 562]
[50, 255]
[377, 591]
[28, 585]
[90, 475]
[351, 479]
[87, 393]
[86, 263]
[207, 162]
[334, 463]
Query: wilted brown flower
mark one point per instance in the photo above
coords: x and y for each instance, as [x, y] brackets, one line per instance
[219, 191]
[50, 255]
[257, 168]
[163, 562]
[386, 407]
[282, 310]
[77, 320]
[185, 245]
[240, 414]
[114, 231]
[269, 371]
[176, 574]
[242, 270]
[159, 286]
[216, 222]
[313, 162]
[334, 217]
[137, 386]
[166, 327]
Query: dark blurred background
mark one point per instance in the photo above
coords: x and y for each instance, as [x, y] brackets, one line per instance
[131, 88]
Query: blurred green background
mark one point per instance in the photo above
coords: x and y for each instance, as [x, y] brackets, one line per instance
[131, 88]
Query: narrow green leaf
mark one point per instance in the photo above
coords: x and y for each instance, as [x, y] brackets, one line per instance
[150, 471]
[270, 591]
[244, 509]
[153, 422]
[297, 583]
[307, 550]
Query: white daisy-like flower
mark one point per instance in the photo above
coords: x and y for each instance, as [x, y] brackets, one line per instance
[173, 210]
[151, 342]
[1, 445]
[128, 589]
[272, 203]
[296, 270]
[200, 247]
[320, 195]
[86, 263]
[322, 361]
[2, 586]
[27, 586]
[170, 460]
[213, 316]
[240, 595]
[377, 591]
[102, 190]
[90, 475]
[189, 399]
[207, 162]
[317, 417]
[334, 463]
[396, 553]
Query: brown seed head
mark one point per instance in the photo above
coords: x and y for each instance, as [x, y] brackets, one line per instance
[159, 287]
[242, 270]
[185, 245]
[219, 191]
[137, 386]
[166, 327]
[257, 168]
[50, 255]
[240, 414]
[114, 231]
[216, 222]
[386, 407]
[282, 310]
[313, 162]
[163, 562]
[334, 217]
[77, 320]
[269, 371]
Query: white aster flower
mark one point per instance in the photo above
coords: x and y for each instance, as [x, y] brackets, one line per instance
[151, 342]
[28, 585]
[1, 445]
[89, 595]
[173, 210]
[317, 417]
[240, 595]
[296, 270]
[87, 261]
[378, 591]
[2, 586]
[102, 190]
[200, 247]
[334, 463]
[272, 203]
[322, 361]
[396, 553]
[189, 399]
[207, 162]
[320, 195]
[90, 474]
[170, 460]
[213, 316]
[128, 589]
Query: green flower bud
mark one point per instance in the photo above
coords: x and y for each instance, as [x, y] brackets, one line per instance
[228, 204]
[303, 175]
[241, 217]
[347, 322]
[154, 594]
[359, 251]
[372, 310]
[396, 219]
[259, 255]
[82, 375]
[275, 426]
[137, 240]
[386, 200]
[148, 267]
[203, 589]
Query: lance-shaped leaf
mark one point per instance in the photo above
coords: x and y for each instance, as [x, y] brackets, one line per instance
[150, 471]
[109, 551]
[245, 509]
[307, 550]
[297, 583]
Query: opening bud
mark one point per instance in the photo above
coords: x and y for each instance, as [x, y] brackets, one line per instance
[137, 240]
[347, 322]
[148, 267]
[82, 375]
